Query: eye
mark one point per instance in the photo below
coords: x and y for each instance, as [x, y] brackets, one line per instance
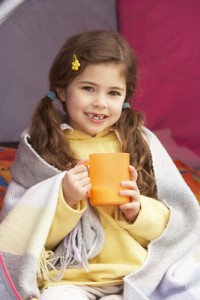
[114, 93]
[88, 88]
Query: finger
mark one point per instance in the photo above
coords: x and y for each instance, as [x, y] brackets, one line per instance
[130, 184]
[133, 173]
[134, 195]
[85, 163]
[74, 179]
[80, 176]
[86, 190]
[84, 182]
[129, 206]
[79, 168]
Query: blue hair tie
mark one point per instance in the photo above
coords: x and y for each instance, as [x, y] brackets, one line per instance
[51, 95]
[126, 105]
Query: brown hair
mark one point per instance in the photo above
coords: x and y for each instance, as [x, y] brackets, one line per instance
[47, 138]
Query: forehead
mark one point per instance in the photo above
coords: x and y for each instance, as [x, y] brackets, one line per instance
[103, 73]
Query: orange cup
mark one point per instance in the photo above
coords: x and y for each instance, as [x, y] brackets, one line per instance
[107, 170]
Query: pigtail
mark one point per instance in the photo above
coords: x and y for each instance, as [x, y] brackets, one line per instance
[130, 128]
[48, 139]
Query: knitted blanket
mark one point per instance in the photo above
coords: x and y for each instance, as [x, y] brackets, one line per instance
[172, 268]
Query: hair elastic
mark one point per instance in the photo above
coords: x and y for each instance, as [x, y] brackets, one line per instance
[51, 95]
[126, 105]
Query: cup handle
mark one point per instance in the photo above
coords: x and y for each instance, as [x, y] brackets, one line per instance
[87, 164]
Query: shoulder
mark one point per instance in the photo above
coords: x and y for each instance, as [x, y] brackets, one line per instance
[29, 167]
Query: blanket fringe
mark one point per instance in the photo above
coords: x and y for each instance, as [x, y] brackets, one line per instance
[45, 265]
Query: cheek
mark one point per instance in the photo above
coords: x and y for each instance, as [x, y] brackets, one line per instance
[117, 109]
[74, 109]
[71, 109]
[71, 103]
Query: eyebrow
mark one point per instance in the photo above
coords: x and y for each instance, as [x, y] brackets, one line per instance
[93, 83]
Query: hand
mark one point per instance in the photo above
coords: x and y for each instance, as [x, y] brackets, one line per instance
[76, 184]
[131, 209]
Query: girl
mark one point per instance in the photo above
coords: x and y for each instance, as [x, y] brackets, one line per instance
[50, 236]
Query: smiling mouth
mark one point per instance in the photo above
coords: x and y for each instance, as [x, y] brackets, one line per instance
[96, 117]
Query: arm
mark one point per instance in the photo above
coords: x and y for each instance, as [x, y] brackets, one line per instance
[65, 219]
[150, 223]
[147, 217]
[70, 207]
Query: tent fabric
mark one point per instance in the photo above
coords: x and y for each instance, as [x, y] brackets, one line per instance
[30, 38]
[7, 7]
[165, 36]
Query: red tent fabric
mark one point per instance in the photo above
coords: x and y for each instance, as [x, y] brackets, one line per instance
[165, 36]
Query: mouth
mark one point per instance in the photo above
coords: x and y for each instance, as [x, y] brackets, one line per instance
[96, 117]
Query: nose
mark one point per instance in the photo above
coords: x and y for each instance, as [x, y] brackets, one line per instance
[100, 100]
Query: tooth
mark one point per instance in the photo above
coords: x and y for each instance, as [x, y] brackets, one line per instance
[96, 117]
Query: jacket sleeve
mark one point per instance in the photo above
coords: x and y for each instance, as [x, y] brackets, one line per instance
[150, 223]
[65, 219]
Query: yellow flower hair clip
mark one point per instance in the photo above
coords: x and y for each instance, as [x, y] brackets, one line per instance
[75, 63]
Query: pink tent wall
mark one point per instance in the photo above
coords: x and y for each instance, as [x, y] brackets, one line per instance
[166, 37]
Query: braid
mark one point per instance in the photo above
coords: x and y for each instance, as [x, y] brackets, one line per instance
[48, 139]
[130, 129]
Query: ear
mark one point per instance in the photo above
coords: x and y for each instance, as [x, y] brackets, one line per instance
[61, 94]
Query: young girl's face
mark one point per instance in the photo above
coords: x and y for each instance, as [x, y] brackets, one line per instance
[94, 99]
